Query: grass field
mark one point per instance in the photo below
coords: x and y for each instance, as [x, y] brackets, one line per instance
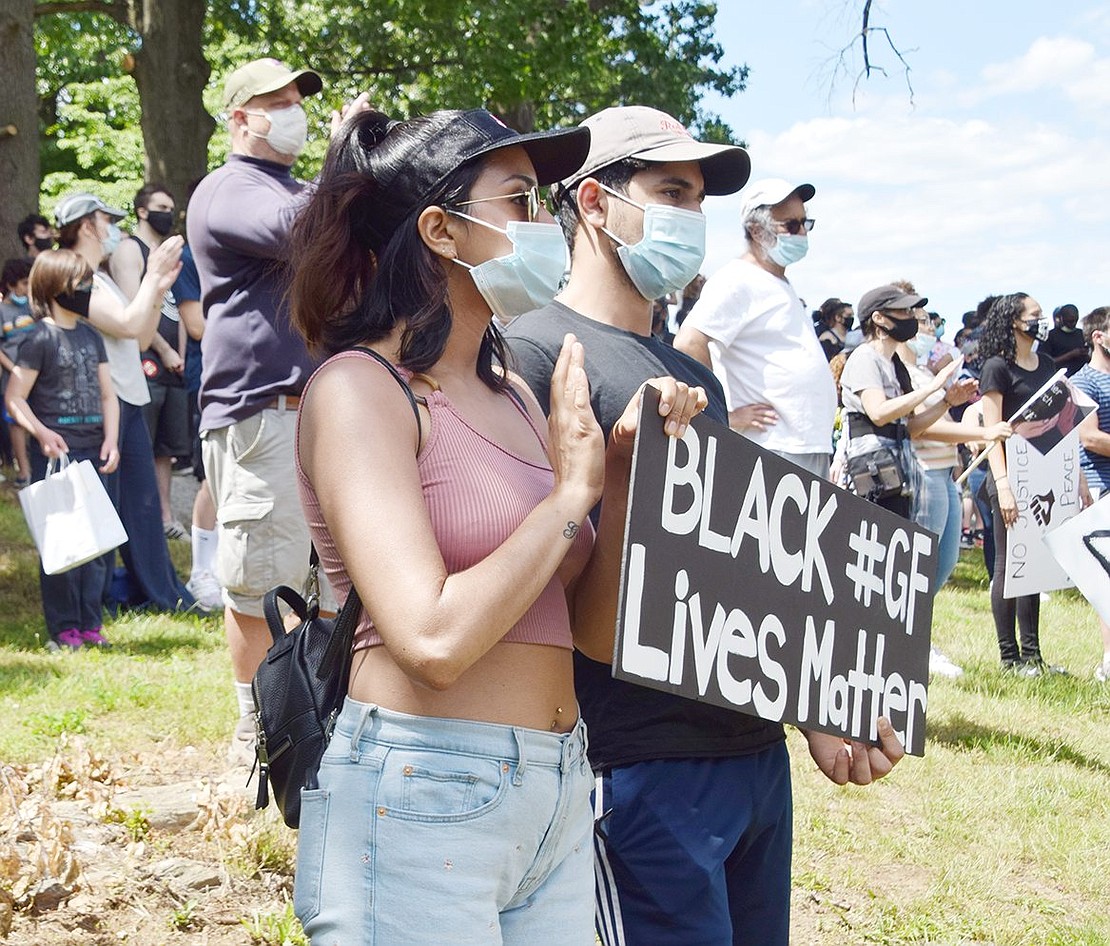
[999, 835]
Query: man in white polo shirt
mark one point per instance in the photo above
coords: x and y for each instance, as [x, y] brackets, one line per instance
[750, 326]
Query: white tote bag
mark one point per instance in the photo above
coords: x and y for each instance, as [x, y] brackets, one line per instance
[70, 516]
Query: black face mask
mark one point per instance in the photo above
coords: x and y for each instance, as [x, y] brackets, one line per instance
[44, 243]
[161, 221]
[902, 330]
[848, 323]
[76, 301]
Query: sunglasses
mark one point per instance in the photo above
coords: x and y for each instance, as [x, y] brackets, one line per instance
[531, 198]
[794, 227]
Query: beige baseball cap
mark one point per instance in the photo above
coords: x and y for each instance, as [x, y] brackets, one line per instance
[647, 134]
[267, 75]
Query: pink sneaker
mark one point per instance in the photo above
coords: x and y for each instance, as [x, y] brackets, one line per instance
[71, 638]
[94, 638]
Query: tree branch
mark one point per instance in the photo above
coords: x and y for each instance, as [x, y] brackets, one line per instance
[863, 37]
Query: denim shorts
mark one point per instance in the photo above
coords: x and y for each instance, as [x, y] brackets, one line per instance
[428, 830]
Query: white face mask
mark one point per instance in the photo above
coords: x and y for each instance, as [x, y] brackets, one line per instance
[670, 253]
[529, 276]
[288, 129]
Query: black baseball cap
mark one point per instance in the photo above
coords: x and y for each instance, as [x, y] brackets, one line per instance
[418, 178]
[474, 134]
[887, 297]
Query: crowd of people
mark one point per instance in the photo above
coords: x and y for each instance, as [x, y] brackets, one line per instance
[415, 366]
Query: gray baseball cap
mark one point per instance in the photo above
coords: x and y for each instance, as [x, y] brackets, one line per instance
[647, 134]
[76, 206]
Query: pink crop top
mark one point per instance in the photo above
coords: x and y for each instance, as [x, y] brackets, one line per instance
[477, 494]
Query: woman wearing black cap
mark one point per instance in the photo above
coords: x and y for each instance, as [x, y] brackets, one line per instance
[880, 401]
[453, 800]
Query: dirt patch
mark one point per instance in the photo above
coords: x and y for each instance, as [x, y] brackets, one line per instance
[137, 850]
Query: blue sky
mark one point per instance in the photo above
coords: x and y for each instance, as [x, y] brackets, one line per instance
[993, 180]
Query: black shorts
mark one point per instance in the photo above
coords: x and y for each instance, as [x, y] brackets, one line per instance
[167, 419]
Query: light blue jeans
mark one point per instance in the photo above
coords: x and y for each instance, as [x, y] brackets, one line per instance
[940, 511]
[428, 830]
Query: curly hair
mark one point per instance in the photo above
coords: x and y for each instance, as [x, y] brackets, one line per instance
[998, 328]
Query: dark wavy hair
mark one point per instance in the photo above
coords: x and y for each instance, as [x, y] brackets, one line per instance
[998, 327]
[828, 310]
[355, 276]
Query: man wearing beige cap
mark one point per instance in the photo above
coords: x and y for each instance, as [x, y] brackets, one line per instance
[750, 326]
[692, 801]
[255, 364]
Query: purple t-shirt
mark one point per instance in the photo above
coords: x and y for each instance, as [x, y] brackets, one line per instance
[238, 223]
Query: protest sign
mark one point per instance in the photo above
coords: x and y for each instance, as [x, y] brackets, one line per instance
[1046, 419]
[751, 584]
[1046, 490]
[1081, 546]
[1051, 414]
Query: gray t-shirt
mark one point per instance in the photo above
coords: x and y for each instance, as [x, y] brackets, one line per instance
[66, 394]
[866, 368]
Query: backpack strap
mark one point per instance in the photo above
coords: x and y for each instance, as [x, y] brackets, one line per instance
[400, 380]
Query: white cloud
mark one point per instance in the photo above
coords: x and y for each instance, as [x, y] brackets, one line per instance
[962, 208]
[1061, 63]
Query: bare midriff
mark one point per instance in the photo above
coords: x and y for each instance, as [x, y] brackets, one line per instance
[513, 684]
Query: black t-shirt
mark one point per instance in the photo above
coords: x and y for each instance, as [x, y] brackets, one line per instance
[629, 723]
[66, 395]
[1015, 383]
[168, 324]
[1060, 343]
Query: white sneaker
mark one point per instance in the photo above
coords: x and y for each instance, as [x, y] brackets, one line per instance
[204, 587]
[240, 752]
[941, 665]
[175, 530]
[1102, 671]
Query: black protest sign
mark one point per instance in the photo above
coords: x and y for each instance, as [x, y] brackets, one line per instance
[751, 584]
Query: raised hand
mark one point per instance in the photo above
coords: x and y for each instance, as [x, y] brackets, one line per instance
[575, 443]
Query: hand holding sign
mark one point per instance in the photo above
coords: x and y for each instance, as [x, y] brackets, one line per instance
[678, 403]
[845, 761]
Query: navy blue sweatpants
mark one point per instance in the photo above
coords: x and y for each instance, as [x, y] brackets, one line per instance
[695, 852]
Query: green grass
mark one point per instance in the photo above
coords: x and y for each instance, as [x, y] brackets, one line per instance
[165, 677]
[999, 835]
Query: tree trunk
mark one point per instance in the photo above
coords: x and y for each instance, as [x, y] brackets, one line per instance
[19, 123]
[171, 73]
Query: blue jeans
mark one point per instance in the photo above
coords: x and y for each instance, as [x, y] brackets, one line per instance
[429, 830]
[941, 512]
[134, 492]
[695, 852]
[73, 598]
[983, 506]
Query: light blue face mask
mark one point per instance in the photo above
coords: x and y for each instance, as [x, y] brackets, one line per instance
[111, 241]
[922, 344]
[529, 276]
[20, 301]
[670, 253]
[788, 249]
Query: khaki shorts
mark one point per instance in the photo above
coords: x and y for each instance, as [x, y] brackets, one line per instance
[263, 538]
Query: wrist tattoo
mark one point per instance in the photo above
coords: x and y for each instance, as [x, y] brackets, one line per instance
[571, 530]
